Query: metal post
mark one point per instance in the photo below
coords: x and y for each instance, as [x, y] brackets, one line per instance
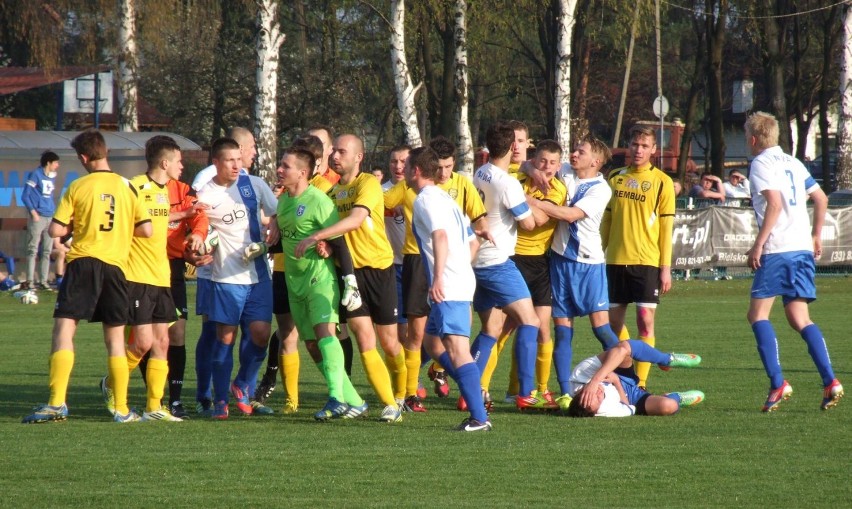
[97, 100]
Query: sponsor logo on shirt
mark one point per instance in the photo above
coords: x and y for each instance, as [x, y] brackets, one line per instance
[246, 191]
[300, 210]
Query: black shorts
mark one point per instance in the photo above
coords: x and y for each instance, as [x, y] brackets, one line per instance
[150, 304]
[178, 282]
[633, 283]
[378, 295]
[415, 287]
[280, 298]
[93, 290]
[535, 269]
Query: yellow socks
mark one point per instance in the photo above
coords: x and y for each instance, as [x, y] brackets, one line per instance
[543, 363]
[156, 375]
[397, 369]
[488, 372]
[412, 367]
[623, 334]
[61, 364]
[289, 366]
[378, 376]
[119, 377]
[643, 368]
[132, 362]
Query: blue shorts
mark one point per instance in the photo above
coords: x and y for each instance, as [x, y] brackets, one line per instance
[636, 395]
[203, 294]
[498, 286]
[401, 318]
[579, 289]
[230, 304]
[790, 275]
[449, 317]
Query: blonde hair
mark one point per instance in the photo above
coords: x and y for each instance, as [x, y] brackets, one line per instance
[764, 128]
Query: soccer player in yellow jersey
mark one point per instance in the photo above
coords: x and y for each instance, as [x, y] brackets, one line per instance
[637, 234]
[415, 286]
[359, 201]
[106, 214]
[531, 261]
[149, 280]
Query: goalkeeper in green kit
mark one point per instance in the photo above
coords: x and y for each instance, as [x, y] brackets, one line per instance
[312, 286]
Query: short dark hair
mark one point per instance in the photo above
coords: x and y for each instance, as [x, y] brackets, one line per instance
[426, 160]
[577, 410]
[48, 157]
[399, 148]
[323, 127]
[517, 125]
[302, 154]
[598, 147]
[90, 143]
[221, 145]
[310, 143]
[157, 147]
[443, 147]
[499, 139]
[550, 146]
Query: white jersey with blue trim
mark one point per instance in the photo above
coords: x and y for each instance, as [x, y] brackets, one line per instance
[580, 241]
[201, 179]
[435, 210]
[774, 170]
[234, 212]
[505, 203]
[611, 406]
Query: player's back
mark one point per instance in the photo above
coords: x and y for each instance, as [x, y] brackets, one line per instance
[775, 170]
[105, 210]
[504, 201]
[148, 260]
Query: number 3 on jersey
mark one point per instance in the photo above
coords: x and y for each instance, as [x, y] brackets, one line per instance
[110, 213]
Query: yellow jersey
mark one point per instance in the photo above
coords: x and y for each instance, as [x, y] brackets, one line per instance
[148, 261]
[105, 209]
[537, 241]
[637, 224]
[368, 243]
[460, 189]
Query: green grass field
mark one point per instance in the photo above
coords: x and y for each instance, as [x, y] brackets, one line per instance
[723, 453]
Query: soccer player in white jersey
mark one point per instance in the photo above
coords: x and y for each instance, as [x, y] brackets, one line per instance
[443, 235]
[783, 256]
[203, 273]
[577, 262]
[499, 284]
[241, 288]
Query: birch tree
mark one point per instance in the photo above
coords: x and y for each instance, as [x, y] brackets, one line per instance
[402, 77]
[465, 141]
[128, 67]
[267, 43]
[562, 97]
[844, 132]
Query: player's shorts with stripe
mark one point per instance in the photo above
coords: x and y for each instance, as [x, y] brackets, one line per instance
[449, 317]
[498, 286]
[178, 285]
[150, 304]
[93, 290]
[633, 283]
[535, 270]
[415, 286]
[232, 303]
[203, 295]
[399, 300]
[320, 306]
[579, 289]
[790, 275]
[378, 295]
[280, 298]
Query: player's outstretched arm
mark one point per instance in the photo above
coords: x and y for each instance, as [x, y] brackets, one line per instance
[349, 223]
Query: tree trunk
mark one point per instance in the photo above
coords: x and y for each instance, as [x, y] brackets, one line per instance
[715, 44]
[562, 96]
[692, 102]
[267, 43]
[844, 133]
[465, 142]
[128, 61]
[302, 28]
[619, 116]
[446, 123]
[829, 42]
[774, 37]
[401, 76]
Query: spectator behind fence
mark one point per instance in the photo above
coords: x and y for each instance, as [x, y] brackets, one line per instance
[737, 185]
[709, 188]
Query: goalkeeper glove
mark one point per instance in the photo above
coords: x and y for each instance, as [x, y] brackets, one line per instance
[254, 250]
[351, 297]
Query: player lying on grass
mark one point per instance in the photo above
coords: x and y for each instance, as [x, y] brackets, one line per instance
[607, 386]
